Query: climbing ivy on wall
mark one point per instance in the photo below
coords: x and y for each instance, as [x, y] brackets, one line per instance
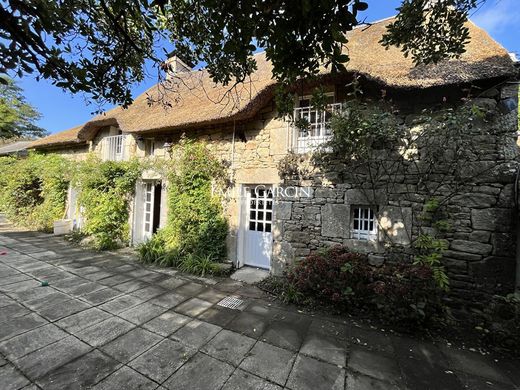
[196, 224]
[105, 192]
[33, 190]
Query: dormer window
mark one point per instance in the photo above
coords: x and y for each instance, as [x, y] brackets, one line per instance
[311, 125]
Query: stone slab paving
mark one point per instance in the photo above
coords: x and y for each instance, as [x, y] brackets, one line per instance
[106, 322]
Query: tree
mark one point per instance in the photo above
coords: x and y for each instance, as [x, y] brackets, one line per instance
[100, 47]
[17, 117]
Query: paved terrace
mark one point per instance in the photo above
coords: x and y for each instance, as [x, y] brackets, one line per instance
[107, 322]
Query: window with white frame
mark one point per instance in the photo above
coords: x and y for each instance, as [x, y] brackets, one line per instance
[316, 130]
[364, 223]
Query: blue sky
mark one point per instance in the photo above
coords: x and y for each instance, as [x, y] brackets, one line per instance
[62, 110]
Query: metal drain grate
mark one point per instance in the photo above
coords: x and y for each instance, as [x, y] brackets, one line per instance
[231, 302]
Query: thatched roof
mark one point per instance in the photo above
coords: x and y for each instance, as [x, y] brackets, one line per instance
[64, 138]
[196, 101]
[484, 59]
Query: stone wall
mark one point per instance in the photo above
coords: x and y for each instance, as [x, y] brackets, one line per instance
[478, 198]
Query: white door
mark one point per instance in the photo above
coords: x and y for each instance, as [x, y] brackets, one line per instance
[149, 195]
[258, 238]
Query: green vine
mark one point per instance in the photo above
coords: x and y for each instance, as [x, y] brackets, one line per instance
[105, 191]
[33, 190]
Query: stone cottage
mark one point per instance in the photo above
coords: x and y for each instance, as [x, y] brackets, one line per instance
[278, 215]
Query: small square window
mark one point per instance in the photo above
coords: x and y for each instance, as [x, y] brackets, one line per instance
[364, 226]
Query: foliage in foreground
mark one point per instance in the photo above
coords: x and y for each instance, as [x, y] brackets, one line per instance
[404, 294]
[105, 190]
[121, 36]
[33, 191]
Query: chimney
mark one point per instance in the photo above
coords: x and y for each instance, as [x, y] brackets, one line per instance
[174, 65]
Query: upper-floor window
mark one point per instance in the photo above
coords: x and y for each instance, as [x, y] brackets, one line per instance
[114, 148]
[149, 147]
[364, 223]
[311, 125]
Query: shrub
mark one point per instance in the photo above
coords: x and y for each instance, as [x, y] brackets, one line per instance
[398, 293]
[196, 224]
[500, 322]
[199, 265]
[105, 191]
[33, 190]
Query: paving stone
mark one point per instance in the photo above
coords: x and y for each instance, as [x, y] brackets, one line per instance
[101, 296]
[420, 374]
[167, 323]
[120, 304]
[201, 372]
[3, 362]
[131, 345]
[473, 363]
[193, 307]
[115, 280]
[142, 313]
[249, 324]
[69, 284]
[5, 300]
[40, 362]
[82, 320]
[162, 360]
[374, 364]
[149, 292]
[81, 373]
[131, 286]
[329, 328]
[311, 374]
[172, 283]
[189, 289]
[86, 288]
[229, 346]
[28, 342]
[18, 325]
[406, 347]
[104, 331]
[242, 380]
[124, 379]
[269, 362]
[153, 278]
[54, 298]
[228, 286]
[476, 383]
[357, 381]
[211, 295]
[285, 334]
[371, 339]
[263, 309]
[12, 379]
[63, 309]
[168, 300]
[329, 349]
[196, 333]
[13, 310]
[220, 316]
[15, 279]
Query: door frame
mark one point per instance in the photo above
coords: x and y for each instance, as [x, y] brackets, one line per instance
[243, 222]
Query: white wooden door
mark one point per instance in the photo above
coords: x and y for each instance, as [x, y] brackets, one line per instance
[258, 237]
[149, 195]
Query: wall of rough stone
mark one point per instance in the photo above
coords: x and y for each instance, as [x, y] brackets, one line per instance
[481, 258]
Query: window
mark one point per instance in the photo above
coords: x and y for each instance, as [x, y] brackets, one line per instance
[317, 130]
[149, 147]
[261, 210]
[364, 223]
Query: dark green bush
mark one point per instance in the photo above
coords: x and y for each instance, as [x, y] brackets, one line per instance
[397, 293]
[499, 323]
[105, 192]
[33, 190]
